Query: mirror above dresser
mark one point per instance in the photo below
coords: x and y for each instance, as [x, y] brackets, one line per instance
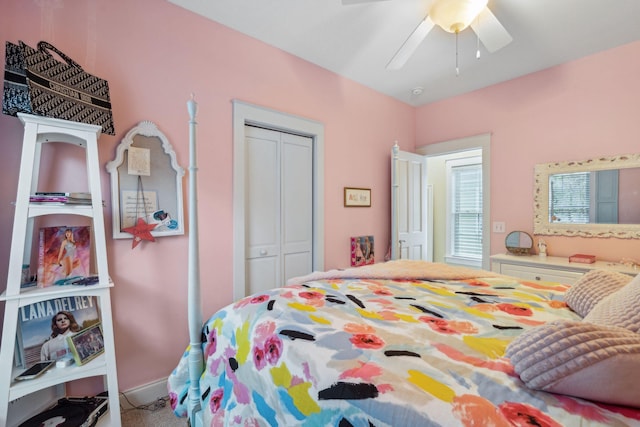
[591, 198]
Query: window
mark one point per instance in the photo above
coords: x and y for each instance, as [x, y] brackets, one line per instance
[464, 211]
[569, 197]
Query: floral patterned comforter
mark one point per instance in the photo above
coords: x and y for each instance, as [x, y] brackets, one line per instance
[382, 352]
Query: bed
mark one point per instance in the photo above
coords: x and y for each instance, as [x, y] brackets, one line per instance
[403, 343]
[408, 343]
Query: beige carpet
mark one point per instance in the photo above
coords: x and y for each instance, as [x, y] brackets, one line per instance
[152, 415]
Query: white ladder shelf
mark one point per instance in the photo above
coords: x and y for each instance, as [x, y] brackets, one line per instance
[38, 131]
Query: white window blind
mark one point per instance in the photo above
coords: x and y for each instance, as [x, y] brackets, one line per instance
[465, 240]
[569, 197]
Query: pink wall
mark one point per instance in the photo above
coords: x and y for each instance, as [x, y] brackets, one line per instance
[582, 109]
[154, 55]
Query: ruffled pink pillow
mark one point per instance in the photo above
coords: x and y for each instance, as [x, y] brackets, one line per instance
[592, 287]
[580, 359]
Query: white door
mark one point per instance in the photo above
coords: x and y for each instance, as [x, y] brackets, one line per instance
[412, 207]
[279, 207]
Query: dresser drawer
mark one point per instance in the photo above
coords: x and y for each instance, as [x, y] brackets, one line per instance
[542, 274]
[551, 268]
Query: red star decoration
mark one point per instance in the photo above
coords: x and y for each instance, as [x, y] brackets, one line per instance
[141, 231]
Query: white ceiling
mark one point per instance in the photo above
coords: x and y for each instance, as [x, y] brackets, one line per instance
[357, 41]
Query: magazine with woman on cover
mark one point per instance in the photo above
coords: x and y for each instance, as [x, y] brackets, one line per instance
[43, 327]
[63, 255]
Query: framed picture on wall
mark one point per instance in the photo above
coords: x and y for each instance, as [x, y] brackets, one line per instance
[357, 197]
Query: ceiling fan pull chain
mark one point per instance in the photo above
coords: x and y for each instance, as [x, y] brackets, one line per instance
[457, 69]
[478, 38]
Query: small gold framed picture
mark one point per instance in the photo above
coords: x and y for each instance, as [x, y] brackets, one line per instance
[357, 197]
[87, 344]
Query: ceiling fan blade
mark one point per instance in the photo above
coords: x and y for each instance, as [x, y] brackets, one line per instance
[490, 31]
[411, 44]
[350, 2]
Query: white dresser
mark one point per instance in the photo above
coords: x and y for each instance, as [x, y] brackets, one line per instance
[550, 268]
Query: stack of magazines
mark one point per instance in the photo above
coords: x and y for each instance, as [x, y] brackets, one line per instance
[80, 198]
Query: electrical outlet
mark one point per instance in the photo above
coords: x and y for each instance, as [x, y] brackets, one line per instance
[499, 227]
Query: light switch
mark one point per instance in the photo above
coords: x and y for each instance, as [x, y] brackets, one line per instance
[499, 226]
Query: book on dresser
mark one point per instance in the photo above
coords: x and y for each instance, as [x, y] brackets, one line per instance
[64, 255]
[43, 327]
[582, 258]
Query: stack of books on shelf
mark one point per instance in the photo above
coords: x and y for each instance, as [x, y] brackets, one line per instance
[71, 198]
[77, 198]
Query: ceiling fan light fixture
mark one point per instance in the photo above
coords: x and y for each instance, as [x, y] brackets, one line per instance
[454, 16]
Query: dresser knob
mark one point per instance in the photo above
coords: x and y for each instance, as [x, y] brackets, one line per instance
[538, 278]
[263, 252]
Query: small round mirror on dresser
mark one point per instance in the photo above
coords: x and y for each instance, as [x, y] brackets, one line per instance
[519, 243]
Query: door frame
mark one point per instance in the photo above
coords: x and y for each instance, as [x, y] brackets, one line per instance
[250, 114]
[482, 142]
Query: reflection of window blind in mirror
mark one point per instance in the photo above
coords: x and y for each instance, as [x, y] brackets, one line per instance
[569, 198]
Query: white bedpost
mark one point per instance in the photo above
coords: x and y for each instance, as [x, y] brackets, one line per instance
[193, 295]
[394, 201]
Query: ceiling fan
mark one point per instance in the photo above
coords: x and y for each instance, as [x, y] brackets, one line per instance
[452, 16]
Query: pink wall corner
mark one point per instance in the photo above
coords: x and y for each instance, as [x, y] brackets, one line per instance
[154, 55]
[575, 111]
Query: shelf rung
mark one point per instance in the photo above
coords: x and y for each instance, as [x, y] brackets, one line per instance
[55, 376]
[39, 209]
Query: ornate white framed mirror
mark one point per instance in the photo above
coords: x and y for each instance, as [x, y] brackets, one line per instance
[591, 198]
[146, 182]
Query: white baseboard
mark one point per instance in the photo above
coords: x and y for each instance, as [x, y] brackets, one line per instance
[144, 394]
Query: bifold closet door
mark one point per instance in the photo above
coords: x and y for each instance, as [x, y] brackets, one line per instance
[279, 207]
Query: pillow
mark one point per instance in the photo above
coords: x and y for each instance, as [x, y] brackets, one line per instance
[621, 308]
[580, 359]
[592, 287]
